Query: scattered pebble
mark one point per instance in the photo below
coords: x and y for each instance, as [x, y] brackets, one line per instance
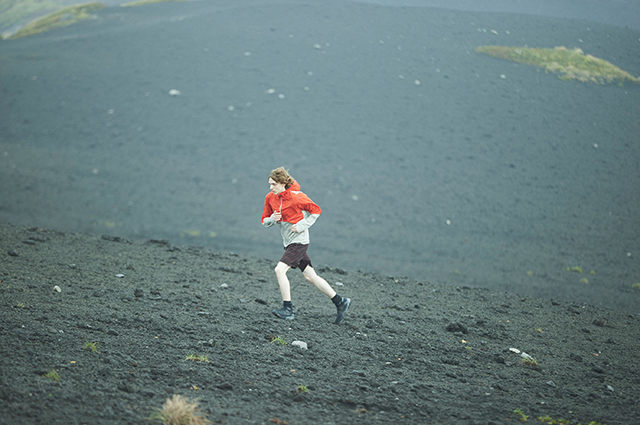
[457, 327]
[174, 92]
[301, 344]
[57, 288]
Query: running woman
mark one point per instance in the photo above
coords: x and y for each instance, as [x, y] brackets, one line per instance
[295, 213]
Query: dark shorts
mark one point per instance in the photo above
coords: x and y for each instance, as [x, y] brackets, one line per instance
[295, 255]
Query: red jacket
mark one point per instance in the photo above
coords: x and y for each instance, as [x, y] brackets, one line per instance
[296, 208]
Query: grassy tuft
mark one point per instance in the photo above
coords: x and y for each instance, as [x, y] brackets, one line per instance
[197, 358]
[93, 346]
[569, 64]
[53, 375]
[61, 18]
[279, 340]
[143, 2]
[521, 415]
[180, 411]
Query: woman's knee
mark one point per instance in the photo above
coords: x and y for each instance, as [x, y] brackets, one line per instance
[281, 269]
[309, 274]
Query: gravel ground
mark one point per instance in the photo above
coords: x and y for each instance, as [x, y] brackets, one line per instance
[408, 351]
[458, 193]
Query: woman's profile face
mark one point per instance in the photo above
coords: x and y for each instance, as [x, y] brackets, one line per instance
[276, 188]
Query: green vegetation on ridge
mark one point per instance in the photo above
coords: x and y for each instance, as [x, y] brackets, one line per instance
[63, 17]
[569, 64]
[144, 2]
[14, 11]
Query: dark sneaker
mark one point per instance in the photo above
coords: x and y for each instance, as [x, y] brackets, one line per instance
[284, 313]
[342, 309]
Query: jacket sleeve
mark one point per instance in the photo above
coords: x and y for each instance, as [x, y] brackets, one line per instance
[311, 212]
[307, 221]
[267, 221]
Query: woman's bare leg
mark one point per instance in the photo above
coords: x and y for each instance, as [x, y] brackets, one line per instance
[283, 281]
[318, 282]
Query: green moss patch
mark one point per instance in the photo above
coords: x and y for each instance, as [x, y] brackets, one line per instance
[61, 18]
[569, 64]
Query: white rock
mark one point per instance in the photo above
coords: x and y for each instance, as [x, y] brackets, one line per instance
[610, 388]
[174, 92]
[514, 350]
[526, 356]
[301, 344]
[339, 284]
[120, 275]
[224, 285]
[57, 288]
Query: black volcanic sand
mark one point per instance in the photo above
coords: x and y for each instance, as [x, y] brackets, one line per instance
[408, 351]
[426, 162]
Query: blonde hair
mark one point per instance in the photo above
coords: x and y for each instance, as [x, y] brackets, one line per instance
[280, 175]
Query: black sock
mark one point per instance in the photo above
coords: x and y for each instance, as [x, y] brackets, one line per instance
[287, 304]
[337, 300]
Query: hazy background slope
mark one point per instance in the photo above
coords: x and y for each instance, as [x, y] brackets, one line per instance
[429, 160]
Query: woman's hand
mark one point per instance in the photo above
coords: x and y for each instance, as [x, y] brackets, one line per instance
[276, 216]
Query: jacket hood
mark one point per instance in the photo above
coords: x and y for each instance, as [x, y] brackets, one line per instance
[294, 186]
